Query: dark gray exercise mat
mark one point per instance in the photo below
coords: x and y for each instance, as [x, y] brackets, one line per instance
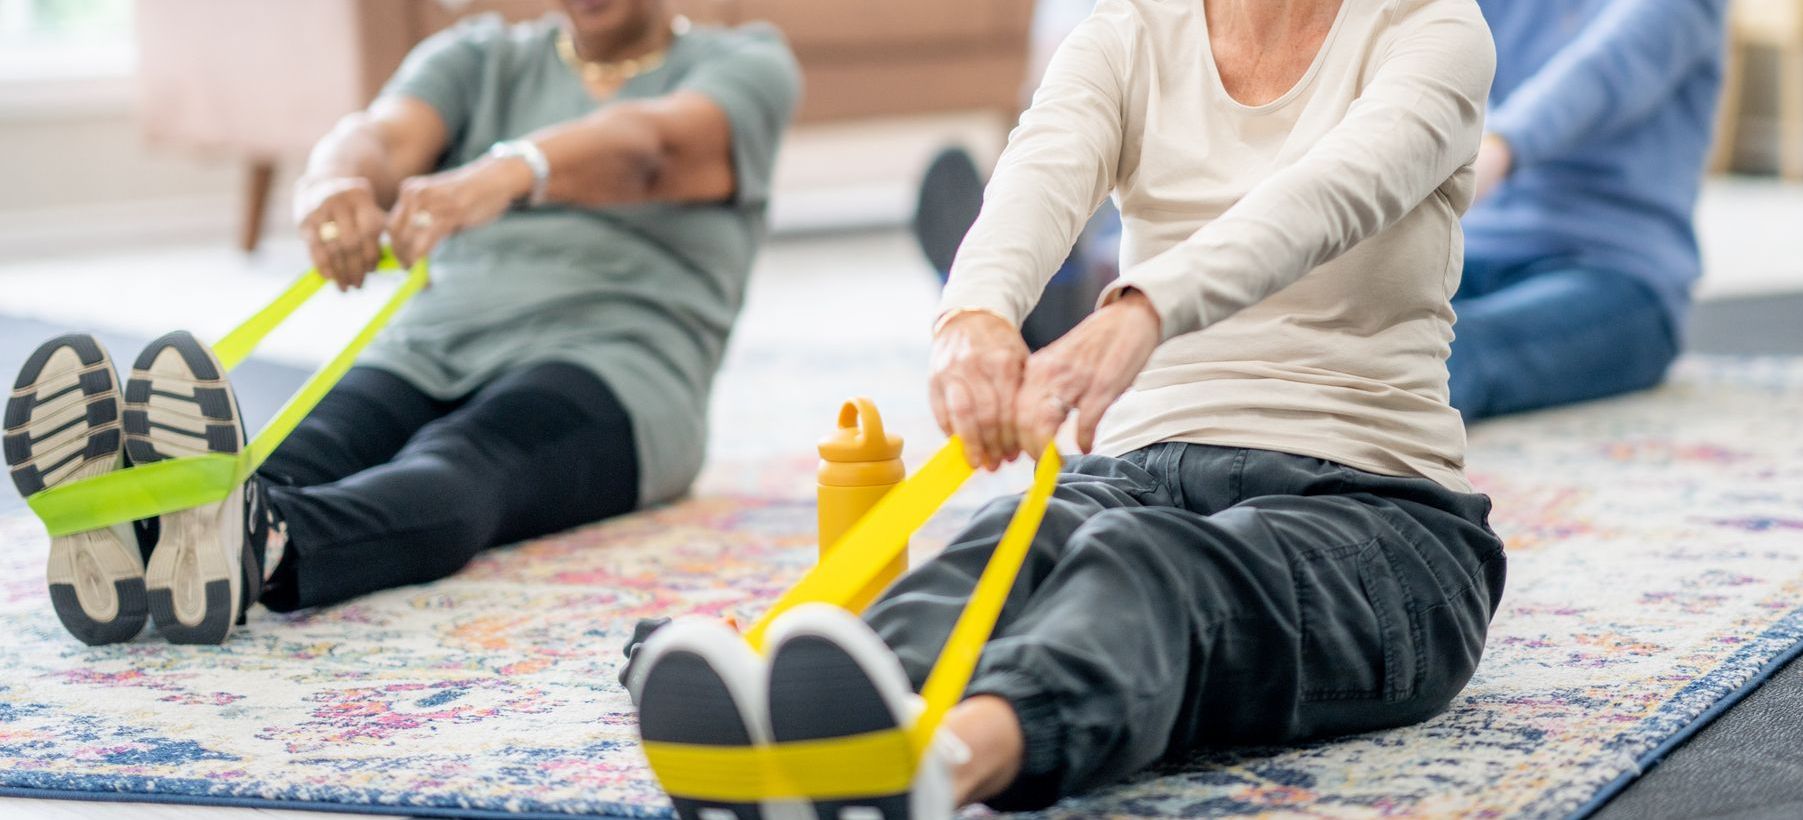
[1749, 763]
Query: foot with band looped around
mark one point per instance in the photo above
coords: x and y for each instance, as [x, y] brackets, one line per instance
[67, 428]
[824, 724]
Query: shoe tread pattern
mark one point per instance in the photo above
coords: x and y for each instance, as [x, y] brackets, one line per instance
[174, 414]
[63, 423]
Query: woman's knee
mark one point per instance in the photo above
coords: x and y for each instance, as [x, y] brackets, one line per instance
[1442, 610]
[1656, 351]
[1151, 543]
[1451, 635]
[1116, 531]
[1077, 500]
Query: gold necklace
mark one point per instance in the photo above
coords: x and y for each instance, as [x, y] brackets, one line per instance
[619, 71]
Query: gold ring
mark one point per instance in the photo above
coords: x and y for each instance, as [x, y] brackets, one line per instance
[328, 232]
[422, 220]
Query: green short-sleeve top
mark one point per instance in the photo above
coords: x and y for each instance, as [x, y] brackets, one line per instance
[642, 296]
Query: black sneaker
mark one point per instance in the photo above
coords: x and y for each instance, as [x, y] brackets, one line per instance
[701, 684]
[832, 677]
[632, 672]
[62, 425]
[206, 569]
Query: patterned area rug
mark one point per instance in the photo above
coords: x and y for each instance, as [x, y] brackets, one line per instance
[1656, 569]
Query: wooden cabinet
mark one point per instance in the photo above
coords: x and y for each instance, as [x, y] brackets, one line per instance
[1778, 25]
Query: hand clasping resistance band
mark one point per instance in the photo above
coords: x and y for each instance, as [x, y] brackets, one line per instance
[184, 483]
[864, 765]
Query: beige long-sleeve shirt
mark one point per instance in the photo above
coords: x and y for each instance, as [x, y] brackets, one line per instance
[1301, 254]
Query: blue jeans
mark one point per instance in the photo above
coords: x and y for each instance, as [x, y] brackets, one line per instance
[1550, 333]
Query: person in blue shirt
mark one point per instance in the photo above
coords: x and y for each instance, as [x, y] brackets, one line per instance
[1580, 253]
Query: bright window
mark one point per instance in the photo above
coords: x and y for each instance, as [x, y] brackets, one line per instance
[61, 39]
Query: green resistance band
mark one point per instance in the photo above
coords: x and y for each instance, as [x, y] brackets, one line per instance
[184, 483]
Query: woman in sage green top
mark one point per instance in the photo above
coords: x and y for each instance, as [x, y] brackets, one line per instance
[590, 189]
[598, 193]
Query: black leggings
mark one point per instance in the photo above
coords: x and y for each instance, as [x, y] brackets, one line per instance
[384, 486]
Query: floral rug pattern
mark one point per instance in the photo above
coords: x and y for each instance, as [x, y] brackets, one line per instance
[1656, 566]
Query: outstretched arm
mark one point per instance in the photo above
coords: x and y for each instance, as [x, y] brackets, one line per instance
[354, 174]
[1060, 163]
[1416, 125]
[711, 139]
[676, 148]
[1624, 65]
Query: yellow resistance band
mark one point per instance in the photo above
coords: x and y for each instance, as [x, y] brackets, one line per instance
[184, 483]
[876, 763]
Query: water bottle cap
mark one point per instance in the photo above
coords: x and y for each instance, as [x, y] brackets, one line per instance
[860, 436]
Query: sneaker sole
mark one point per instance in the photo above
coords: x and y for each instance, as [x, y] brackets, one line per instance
[821, 657]
[62, 425]
[699, 684]
[178, 404]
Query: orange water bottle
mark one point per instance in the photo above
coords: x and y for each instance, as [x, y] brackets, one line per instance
[859, 463]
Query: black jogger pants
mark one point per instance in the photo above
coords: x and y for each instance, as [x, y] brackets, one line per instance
[1186, 596]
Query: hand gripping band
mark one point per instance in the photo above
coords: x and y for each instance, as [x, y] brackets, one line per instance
[183, 483]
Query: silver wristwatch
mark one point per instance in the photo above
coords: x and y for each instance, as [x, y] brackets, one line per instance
[528, 151]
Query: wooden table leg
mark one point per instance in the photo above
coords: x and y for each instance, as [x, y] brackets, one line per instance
[256, 203]
[1790, 90]
[1727, 132]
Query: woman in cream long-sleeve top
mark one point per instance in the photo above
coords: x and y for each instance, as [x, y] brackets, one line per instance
[1273, 538]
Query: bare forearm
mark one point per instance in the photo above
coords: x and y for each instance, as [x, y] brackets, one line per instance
[606, 158]
[354, 149]
[672, 149]
[602, 159]
[354, 176]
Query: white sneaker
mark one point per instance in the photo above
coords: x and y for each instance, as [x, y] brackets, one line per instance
[206, 568]
[696, 681]
[62, 425]
[831, 676]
